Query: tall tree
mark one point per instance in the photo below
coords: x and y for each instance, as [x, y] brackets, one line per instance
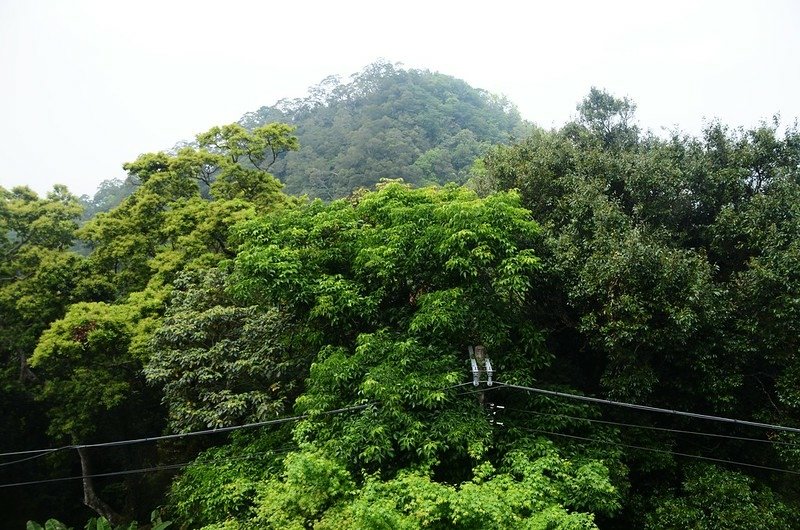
[39, 277]
[388, 289]
[177, 219]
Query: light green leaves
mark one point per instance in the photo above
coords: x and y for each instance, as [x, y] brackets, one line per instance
[528, 494]
[86, 354]
[393, 286]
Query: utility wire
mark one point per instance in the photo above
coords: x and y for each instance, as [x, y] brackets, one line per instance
[30, 451]
[179, 435]
[39, 455]
[480, 390]
[653, 409]
[142, 470]
[663, 451]
[97, 475]
[42, 452]
[653, 428]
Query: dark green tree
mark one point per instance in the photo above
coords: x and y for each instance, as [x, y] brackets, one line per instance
[220, 363]
[712, 499]
[665, 273]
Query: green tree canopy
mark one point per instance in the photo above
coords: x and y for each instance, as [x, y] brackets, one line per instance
[392, 288]
[665, 273]
[219, 363]
[388, 289]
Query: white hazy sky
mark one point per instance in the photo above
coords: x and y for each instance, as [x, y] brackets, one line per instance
[87, 85]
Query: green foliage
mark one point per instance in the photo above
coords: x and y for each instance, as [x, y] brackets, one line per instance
[50, 524]
[38, 276]
[387, 122]
[608, 118]
[101, 523]
[237, 159]
[260, 146]
[660, 270]
[392, 288]
[28, 221]
[311, 484]
[177, 219]
[528, 492]
[641, 239]
[339, 264]
[223, 482]
[124, 240]
[180, 214]
[218, 363]
[417, 420]
[86, 353]
[109, 194]
[668, 268]
[714, 499]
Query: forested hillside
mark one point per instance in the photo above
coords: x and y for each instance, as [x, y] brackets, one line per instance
[387, 122]
[306, 363]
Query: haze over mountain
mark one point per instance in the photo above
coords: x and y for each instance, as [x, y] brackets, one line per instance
[91, 84]
[385, 122]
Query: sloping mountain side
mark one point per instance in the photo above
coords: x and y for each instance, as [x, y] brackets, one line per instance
[387, 122]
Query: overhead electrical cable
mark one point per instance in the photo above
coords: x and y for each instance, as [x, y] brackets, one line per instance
[276, 421]
[663, 451]
[648, 408]
[97, 475]
[38, 455]
[143, 470]
[654, 428]
[479, 391]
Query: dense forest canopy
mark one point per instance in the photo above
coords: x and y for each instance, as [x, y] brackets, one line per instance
[387, 122]
[592, 260]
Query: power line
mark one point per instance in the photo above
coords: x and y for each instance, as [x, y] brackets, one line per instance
[663, 451]
[30, 451]
[654, 409]
[180, 435]
[479, 391]
[39, 455]
[42, 452]
[141, 470]
[653, 428]
[194, 433]
[97, 475]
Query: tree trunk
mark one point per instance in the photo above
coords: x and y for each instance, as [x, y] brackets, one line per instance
[90, 498]
[25, 372]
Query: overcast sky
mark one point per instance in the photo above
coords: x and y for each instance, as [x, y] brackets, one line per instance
[88, 85]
